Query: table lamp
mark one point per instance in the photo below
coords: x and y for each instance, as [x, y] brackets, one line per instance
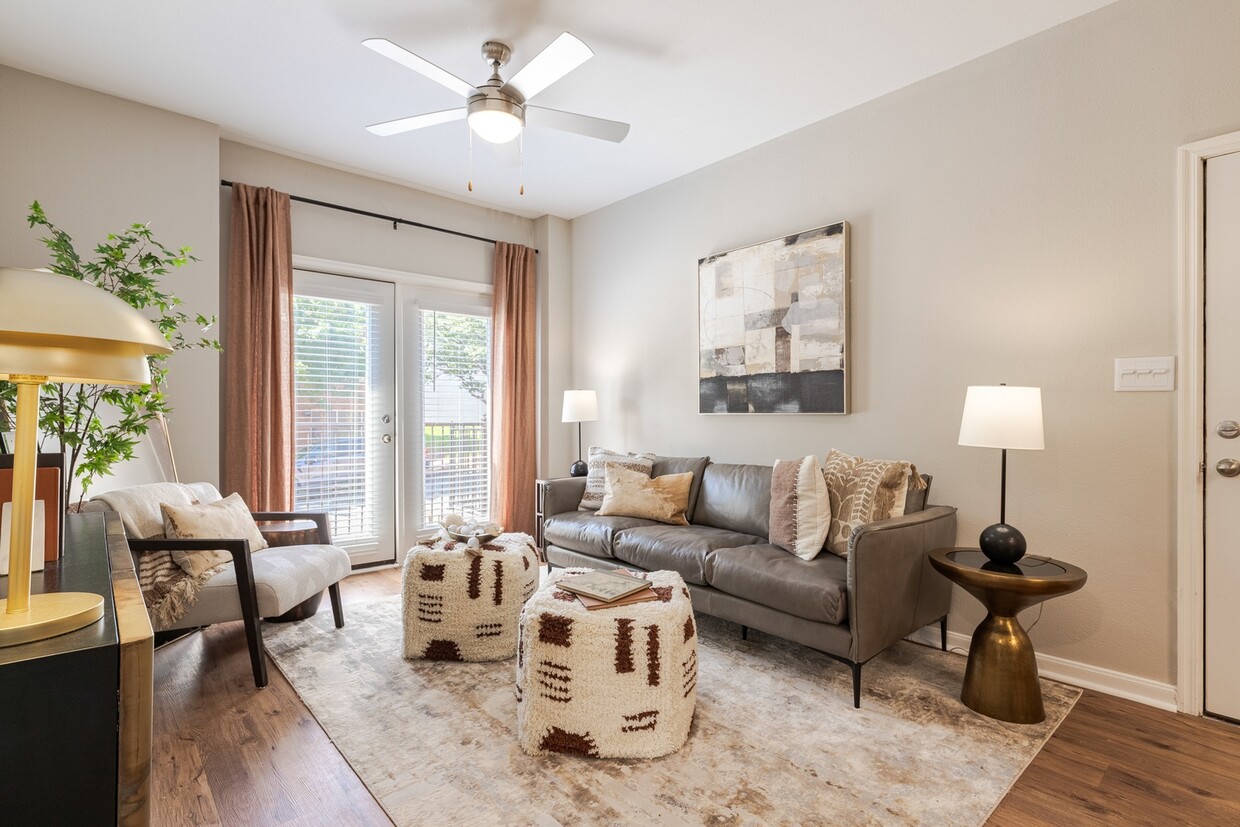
[999, 416]
[55, 328]
[579, 406]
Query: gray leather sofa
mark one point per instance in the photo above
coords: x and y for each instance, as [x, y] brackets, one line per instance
[847, 608]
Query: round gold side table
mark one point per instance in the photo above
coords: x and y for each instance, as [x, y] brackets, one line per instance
[1001, 678]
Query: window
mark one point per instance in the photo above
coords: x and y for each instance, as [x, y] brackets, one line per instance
[456, 450]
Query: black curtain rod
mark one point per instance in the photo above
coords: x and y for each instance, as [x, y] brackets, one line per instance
[394, 219]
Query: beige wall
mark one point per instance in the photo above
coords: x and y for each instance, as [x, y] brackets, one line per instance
[98, 164]
[1012, 221]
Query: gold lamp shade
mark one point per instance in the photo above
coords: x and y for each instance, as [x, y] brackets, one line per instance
[71, 331]
[57, 329]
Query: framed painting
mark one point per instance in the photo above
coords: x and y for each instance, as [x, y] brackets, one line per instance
[773, 326]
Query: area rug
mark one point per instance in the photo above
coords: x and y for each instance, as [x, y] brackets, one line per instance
[775, 738]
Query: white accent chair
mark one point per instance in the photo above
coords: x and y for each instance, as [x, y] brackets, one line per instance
[268, 584]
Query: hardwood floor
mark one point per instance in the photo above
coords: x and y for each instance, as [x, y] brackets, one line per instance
[228, 754]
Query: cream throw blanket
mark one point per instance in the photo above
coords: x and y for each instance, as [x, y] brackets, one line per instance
[169, 591]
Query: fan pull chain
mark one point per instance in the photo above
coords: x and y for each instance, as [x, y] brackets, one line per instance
[521, 148]
[471, 160]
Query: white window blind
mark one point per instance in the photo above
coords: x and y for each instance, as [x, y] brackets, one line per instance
[456, 464]
[334, 347]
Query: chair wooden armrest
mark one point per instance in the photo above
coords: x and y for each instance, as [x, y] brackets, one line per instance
[246, 593]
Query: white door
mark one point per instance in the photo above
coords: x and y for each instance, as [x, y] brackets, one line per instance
[344, 345]
[1222, 493]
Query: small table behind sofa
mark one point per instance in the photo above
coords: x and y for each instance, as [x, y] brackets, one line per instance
[850, 609]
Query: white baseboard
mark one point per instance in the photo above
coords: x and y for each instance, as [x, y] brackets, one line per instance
[1108, 681]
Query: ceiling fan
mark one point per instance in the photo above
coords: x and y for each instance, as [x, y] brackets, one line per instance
[498, 110]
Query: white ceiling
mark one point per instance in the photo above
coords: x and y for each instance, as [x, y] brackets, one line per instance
[699, 80]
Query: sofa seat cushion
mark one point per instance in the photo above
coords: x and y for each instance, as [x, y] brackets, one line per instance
[283, 577]
[812, 589]
[676, 548]
[588, 533]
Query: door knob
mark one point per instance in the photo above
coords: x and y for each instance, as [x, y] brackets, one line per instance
[1228, 467]
[387, 438]
[1228, 429]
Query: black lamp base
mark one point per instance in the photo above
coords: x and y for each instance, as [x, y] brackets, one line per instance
[1002, 543]
[578, 469]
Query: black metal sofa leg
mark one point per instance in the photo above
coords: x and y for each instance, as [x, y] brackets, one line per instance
[943, 632]
[856, 670]
[744, 633]
[333, 592]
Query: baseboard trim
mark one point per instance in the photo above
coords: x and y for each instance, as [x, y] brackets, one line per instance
[1108, 681]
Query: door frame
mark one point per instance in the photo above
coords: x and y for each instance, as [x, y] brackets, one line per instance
[1190, 456]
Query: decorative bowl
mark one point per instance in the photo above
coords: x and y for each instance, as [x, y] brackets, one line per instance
[465, 538]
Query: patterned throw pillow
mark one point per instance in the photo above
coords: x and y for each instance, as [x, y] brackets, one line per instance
[864, 491]
[596, 479]
[800, 507]
[224, 519]
[634, 494]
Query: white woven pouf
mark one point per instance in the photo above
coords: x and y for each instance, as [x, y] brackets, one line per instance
[459, 605]
[617, 682]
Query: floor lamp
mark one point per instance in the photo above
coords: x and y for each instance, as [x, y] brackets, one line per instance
[579, 406]
[55, 328]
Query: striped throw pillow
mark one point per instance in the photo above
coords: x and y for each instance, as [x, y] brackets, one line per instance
[596, 479]
[800, 507]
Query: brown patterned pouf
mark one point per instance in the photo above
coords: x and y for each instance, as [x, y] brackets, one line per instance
[462, 605]
[617, 682]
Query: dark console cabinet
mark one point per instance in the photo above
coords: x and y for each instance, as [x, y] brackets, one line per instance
[64, 728]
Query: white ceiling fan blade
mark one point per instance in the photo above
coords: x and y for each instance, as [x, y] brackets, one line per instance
[417, 122]
[605, 130]
[420, 65]
[562, 56]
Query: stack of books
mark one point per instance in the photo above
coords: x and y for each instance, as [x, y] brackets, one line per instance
[602, 589]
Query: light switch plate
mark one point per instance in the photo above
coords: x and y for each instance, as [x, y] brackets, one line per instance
[1145, 373]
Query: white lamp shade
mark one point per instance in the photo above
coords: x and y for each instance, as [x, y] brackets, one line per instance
[580, 406]
[72, 331]
[1001, 416]
[495, 126]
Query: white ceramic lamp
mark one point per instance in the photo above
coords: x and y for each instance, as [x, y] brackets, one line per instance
[579, 406]
[1004, 417]
[54, 328]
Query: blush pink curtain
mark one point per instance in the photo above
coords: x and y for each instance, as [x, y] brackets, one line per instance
[514, 426]
[258, 351]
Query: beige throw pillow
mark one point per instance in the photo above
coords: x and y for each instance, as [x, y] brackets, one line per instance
[596, 479]
[864, 491]
[226, 519]
[800, 507]
[634, 494]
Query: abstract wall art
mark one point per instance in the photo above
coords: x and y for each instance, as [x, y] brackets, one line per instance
[773, 326]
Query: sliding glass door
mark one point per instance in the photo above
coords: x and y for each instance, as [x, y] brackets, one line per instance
[344, 391]
[385, 370]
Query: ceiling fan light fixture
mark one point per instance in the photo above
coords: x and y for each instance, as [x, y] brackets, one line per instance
[495, 119]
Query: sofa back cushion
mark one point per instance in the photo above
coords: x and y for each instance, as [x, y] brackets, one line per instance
[736, 498]
[679, 465]
[917, 497]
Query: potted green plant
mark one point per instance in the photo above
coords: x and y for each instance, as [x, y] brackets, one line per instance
[130, 264]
